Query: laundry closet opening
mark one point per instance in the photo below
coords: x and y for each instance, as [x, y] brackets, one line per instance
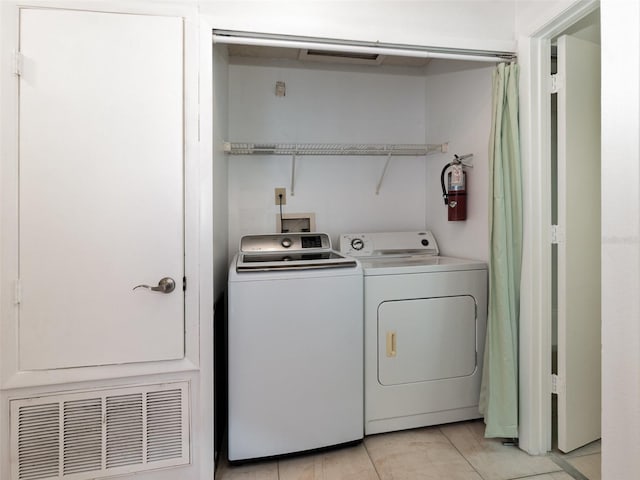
[283, 94]
[328, 94]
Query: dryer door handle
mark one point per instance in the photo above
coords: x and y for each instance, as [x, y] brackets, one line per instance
[391, 344]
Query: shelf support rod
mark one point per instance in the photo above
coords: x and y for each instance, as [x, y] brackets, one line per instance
[293, 174]
[384, 172]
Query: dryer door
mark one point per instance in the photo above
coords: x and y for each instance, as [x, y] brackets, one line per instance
[426, 339]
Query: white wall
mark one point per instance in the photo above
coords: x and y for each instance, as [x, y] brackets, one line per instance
[451, 103]
[324, 105]
[620, 239]
[486, 24]
[459, 110]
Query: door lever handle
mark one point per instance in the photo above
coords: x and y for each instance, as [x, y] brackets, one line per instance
[165, 285]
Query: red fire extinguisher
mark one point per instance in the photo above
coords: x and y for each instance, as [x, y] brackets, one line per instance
[455, 192]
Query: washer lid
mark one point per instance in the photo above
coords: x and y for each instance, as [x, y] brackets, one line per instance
[290, 251]
[253, 262]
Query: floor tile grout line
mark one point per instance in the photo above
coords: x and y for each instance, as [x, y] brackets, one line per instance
[462, 454]
[567, 467]
[576, 455]
[534, 475]
[375, 468]
[580, 455]
[514, 478]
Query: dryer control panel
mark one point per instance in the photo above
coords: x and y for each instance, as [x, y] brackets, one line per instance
[388, 243]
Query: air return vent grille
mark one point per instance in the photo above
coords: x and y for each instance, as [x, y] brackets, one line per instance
[86, 435]
[38, 441]
[164, 425]
[125, 442]
[82, 436]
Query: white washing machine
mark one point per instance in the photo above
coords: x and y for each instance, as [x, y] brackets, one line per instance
[295, 346]
[425, 318]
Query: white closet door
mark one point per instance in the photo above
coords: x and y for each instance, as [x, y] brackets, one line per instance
[579, 321]
[101, 188]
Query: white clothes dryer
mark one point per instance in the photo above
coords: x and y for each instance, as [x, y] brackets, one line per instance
[424, 329]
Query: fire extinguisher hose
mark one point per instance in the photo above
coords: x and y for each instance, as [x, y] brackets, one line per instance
[445, 195]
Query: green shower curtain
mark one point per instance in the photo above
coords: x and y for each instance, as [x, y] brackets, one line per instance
[499, 391]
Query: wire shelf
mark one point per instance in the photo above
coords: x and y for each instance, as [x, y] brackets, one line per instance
[295, 150]
[299, 149]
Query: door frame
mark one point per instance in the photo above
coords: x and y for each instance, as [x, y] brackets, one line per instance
[197, 365]
[534, 56]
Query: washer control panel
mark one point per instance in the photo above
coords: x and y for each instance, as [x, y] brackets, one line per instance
[388, 243]
[284, 241]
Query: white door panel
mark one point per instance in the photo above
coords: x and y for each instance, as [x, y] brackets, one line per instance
[579, 320]
[101, 188]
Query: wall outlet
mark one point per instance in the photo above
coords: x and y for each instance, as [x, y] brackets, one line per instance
[283, 192]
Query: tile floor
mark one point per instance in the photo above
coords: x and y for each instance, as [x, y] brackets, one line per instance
[447, 452]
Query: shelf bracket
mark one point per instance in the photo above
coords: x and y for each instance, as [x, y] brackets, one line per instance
[384, 172]
[293, 175]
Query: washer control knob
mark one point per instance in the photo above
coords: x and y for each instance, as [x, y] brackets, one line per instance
[286, 242]
[357, 244]
[424, 242]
